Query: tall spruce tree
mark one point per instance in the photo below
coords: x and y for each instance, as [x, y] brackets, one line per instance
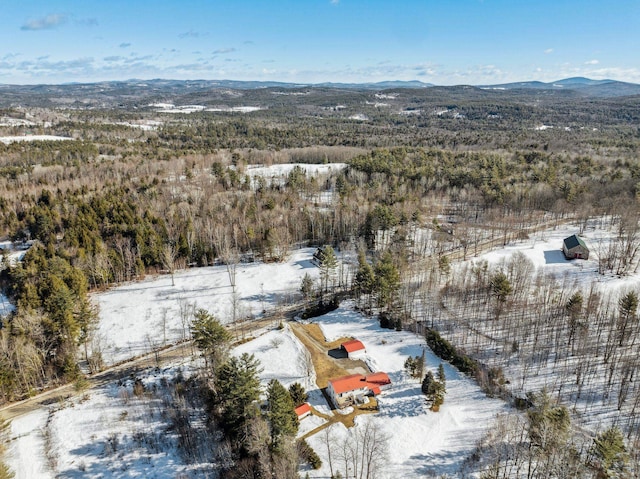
[298, 394]
[211, 338]
[282, 417]
[237, 390]
[610, 453]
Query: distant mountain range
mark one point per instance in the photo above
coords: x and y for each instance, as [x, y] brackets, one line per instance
[139, 93]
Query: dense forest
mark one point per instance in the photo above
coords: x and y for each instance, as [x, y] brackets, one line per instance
[436, 177]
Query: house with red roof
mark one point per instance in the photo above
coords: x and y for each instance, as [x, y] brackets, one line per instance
[303, 411]
[354, 349]
[353, 389]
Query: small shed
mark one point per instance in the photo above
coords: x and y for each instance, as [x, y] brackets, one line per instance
[574, 247]
[354, 349]
[303, 411]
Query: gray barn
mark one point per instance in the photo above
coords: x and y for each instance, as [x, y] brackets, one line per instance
[574, 247]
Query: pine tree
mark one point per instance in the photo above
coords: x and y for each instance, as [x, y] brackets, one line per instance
[282, 417]
[328, 266]
[306, 287]
[426, 382]
[441, 376]
[298, 394]
[212, 338]
[365, 277]
[387, 282]
[610, 452]
[237, 390]
[574, 310]
[628, 307]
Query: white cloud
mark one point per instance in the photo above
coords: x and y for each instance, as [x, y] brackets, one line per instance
[125, 45]
[47, 23]
[220, 51]
[191, 34]
[335, 2]
[548, 51]
[592, 62]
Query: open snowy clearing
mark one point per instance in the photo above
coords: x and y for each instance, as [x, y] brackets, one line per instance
[106, 433]
[111, 433]
[137, 317]
[277, 174]
[544, 250]
[421, 441]
[12, 139]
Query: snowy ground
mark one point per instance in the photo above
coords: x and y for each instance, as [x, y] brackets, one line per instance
[276, 174]
[529, 369]
[422, 442]
[11, 139]
[139, 316]
[105, 433]
[544, 250]
[111, 433]
[171, 108]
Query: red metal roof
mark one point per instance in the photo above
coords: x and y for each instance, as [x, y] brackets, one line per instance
[352, 346]
[303, 409]
[359, 381]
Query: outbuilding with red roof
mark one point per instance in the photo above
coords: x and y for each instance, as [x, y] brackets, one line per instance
[354, 349]
[303, 411]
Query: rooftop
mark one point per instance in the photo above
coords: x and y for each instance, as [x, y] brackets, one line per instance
[573, 241]
[360, 381]
[352, 346]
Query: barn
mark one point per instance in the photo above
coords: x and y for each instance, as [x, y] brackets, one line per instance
[574, 247]
[354, 349]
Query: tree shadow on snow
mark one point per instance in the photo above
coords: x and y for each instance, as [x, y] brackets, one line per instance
[438, 464]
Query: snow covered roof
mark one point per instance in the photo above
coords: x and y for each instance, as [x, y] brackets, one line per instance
[352, 346]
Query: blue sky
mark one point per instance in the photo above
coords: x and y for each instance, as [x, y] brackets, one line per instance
[445, 42]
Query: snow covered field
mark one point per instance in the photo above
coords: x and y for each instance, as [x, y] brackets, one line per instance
[544, 250]
[136, 317]
[12, 139]
[106, 433]
[171, 108]
[112, 433]
[277, 174]
[422, 442]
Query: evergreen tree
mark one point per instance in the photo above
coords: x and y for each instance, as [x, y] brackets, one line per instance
[237, 390]
[298, 394]
[365, 277]
[549, 424]
[441, 376]
[610, 453]
[212, 338]
[628, 307]
[426, 382]
[306, 287]
[574, 310]
[282, 417]
[328, 265]
[387, 281]
[500, 287]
